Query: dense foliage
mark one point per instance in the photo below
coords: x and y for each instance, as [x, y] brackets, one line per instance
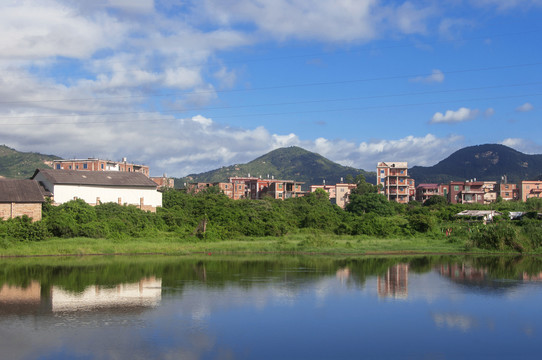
[212, 216]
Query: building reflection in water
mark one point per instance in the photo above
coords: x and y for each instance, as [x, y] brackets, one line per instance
[31, 299]
[343, 274]
[394, 283]
[462, 272]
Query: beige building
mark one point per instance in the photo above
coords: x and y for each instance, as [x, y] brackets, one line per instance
[20, 197]
[338, 194]
[530, 189]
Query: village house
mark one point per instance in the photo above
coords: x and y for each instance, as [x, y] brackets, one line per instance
[393, 179]
[338, 194]
[20, 197]
[466, 192]
[508, 191]
[97, 187]
[426, 191]
[531, 189]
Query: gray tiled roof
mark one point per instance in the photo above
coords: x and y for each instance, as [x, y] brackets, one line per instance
[20, 191]
[101, 178]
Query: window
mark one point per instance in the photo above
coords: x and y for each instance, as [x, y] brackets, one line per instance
[102, 166]
[382, 171]
[402, 171]
[506, 194]
[85, 166]
[456, 187]
[467, 188]
[71, 168]
[58, 166]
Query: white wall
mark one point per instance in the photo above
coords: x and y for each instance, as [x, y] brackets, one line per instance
[130, 196]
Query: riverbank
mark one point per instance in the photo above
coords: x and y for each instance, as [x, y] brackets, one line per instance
[295, 243]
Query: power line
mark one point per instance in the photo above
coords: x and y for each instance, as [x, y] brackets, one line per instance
[277, 104]
[288, 57]
[284, 86]
[280, 113]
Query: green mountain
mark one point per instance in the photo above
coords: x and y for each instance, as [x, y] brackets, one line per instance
[21, 165]
[291, 163]
[482, 162]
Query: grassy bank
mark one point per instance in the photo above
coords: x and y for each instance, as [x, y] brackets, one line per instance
[294, 243]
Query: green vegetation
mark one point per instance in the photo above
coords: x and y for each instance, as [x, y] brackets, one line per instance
[21, 165]
[210, 221]
[481, 162]
[291, 163]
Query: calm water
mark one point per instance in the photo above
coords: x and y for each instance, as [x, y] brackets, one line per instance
[271, 308]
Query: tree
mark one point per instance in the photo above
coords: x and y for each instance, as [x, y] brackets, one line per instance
[436, 200]
[370, 203]
[363, 187]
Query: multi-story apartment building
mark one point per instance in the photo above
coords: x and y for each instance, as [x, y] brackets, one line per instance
[338, 194]
[393, 179]
[92, 164]
[508, 191]
[490, 191]
[466, 192]
[530, 189]
[253, 188]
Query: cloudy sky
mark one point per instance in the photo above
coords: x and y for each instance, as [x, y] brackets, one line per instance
[189, 86]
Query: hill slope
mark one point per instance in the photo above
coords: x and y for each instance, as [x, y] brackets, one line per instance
[291, 163]
[483, 162]
[20, 165]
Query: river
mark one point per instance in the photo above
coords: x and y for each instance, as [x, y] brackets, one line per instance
[270, 307]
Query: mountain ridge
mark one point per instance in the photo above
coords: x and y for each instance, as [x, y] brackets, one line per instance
[487, 162]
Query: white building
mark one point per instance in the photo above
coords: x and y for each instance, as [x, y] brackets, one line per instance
[96, 187]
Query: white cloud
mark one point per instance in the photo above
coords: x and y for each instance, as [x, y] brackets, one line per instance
[436, 76]
[523, 145]
[525, 107]
[507, 4]
[489, 112]
[328, 21]
[461, 115]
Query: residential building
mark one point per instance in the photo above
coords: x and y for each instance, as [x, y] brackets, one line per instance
[253, 188]
[96, 187]
[20, 197]
[508, 191]
[426, 191]
[490, 191]
[163, 182]
[466, 192]
[277, 189]
[226, 188]
[393, 179]
[93, 164]
[338, 194]
[530, 189]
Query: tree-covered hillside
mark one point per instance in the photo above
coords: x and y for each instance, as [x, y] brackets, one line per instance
[21, 165]
[291, 163]
[481, 162]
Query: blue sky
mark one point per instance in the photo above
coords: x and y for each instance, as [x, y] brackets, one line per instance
[190, 86]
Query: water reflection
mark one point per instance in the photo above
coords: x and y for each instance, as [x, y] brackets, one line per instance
[290, 307]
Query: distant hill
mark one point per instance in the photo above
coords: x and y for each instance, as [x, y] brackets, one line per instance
[291, 163]
[21, 165]
[483, 162]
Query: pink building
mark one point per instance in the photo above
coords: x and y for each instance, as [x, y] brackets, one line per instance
[393, 179]
[530, 189]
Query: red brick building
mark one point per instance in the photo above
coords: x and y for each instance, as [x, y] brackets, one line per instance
[508, 191]
[92, 164]
[466, 192]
